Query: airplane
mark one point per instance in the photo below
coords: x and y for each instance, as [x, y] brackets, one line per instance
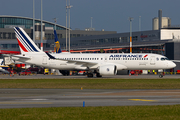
[100, 63]
[3, 68]
[57, 47]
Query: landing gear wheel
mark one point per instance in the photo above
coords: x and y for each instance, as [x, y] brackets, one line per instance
[160, 75]
[98, 75]
[90, 75]
[64, 72]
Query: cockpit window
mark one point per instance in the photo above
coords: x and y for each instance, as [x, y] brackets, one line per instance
[164, 59]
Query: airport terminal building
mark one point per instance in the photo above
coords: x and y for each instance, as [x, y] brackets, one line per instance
[164, 41]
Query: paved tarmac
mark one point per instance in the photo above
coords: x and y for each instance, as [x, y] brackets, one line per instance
[28, 98]
[41, 76]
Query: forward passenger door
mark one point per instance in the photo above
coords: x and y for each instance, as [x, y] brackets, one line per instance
[152, 60]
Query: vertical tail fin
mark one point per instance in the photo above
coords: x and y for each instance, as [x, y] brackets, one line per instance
[26, 44]
[57, 47]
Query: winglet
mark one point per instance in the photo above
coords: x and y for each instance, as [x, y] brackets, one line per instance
[50, 56]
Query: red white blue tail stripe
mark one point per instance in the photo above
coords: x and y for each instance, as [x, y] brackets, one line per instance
[25, 42]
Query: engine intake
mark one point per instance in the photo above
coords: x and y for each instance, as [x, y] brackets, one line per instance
[107, 70]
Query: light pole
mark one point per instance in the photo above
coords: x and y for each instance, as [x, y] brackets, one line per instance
[66, 24]
[91, 22]
[33, 22]
[41, 27]
[130, 19]
[139, 23]
[69, 7]
[55, 21]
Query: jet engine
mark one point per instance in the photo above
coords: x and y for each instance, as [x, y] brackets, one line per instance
[107, 70]
[64, 72]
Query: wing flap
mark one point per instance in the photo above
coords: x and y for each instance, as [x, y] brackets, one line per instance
[82, 63]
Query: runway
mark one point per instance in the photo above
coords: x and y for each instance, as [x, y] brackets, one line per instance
[28, 98]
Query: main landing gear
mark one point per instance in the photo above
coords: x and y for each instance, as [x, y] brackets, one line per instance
[64, 72]
[161, 75]
[91, 74]
[98, 75]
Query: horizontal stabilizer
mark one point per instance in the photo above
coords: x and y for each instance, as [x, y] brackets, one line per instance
[4, 71]
[21, 57]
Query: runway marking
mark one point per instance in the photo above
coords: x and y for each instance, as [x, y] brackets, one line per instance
[36, 99]
[25, 102]
[142, 100]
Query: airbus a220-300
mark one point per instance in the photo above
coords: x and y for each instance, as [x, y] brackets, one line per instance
[100, 63]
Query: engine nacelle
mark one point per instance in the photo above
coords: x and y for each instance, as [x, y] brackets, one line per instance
[107, 70]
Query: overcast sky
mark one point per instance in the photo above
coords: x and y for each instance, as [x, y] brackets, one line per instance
[111, 15]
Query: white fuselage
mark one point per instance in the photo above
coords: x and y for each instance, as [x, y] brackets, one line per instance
[82, 61]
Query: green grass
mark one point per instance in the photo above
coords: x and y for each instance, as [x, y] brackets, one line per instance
[92, 83]
[169, 112]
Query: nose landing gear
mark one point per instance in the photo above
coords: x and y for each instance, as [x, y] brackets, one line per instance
[161, 75]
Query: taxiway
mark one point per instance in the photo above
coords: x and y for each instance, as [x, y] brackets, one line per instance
[28, 98]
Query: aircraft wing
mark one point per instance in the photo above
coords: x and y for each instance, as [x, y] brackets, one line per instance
[83, 63]
[175, 60]
[78, 62]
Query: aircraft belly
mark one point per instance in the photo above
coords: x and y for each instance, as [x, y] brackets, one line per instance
[66, 67]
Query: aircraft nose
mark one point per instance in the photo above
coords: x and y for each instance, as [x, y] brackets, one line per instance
[172, 65]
